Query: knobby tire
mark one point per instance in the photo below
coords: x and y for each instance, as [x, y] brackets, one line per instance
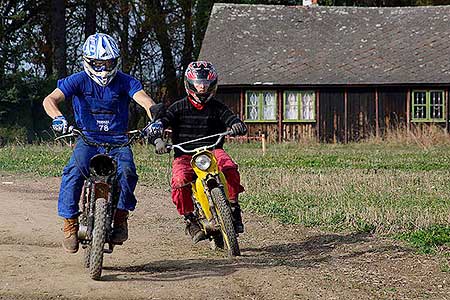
[87, 256]
[226, 221]
[98, 239]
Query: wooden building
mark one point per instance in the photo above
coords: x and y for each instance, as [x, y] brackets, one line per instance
[335, 73]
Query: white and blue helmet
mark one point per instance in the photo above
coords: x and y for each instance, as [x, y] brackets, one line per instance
[101, 58]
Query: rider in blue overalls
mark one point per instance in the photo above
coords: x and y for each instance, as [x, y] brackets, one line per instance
[101, 96]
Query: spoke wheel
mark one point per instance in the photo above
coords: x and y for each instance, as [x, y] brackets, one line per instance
[98, 239]
[226, 221]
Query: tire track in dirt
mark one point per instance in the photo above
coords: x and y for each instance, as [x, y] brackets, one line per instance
[159, 261]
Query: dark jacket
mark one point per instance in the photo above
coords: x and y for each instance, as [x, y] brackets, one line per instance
[189, 123]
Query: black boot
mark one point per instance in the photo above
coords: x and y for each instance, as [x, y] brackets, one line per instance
[193, 228]
[237, 217]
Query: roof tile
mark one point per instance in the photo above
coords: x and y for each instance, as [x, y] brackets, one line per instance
[291, 45]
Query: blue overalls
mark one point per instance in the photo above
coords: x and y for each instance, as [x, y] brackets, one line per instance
[102, 114]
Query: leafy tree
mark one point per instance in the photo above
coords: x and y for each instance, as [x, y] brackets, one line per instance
[40, 40]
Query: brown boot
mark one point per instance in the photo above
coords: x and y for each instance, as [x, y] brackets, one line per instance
[193, 228]
[70, 242]
[120, 230]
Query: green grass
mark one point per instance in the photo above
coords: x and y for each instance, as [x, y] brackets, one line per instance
[428, 240]
[386, 188]
[46, 160]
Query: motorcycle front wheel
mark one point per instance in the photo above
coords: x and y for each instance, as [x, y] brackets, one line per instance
[226, 221]
[98, 239]
[87, 256]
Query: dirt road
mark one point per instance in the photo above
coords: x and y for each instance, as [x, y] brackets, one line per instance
[159, 261]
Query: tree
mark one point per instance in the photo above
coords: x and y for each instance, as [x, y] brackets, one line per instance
[90, 21]
[58, 23]
[158, 17]
[188, 44]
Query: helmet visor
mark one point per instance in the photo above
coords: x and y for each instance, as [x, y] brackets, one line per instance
[102, 65]
[202, 86]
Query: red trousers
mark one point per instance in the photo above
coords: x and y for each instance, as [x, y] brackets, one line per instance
[183, 175]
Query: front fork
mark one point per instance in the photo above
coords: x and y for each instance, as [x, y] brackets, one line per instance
[86, 221]
[208, 183]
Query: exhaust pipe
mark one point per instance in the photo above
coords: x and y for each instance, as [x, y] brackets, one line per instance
[82, 232]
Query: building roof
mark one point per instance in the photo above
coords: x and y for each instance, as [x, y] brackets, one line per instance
[296, 45]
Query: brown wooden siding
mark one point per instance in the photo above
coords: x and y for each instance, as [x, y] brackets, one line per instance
[291, 132]
[269, 129]
[331, 115]
[392, 108]
[343, 114]
[299, 131]
[361, 116]
[231, 98]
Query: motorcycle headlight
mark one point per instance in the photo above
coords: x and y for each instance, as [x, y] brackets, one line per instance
[203, 162]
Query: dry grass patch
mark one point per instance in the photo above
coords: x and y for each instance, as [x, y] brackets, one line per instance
[384, 201]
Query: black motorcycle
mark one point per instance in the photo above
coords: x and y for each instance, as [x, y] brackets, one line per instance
[98, 202]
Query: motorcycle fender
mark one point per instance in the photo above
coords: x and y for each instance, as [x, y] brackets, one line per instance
[101, 190]
[200, 196]
[224, 183]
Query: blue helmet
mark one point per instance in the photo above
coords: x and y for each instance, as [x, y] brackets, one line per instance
[101, 58]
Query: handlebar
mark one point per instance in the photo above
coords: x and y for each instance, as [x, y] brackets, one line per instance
[180, 145]
[74, 132]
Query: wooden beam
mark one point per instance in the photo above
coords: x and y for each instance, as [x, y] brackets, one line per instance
[280, 116]
[317, 115]
[446, 109]
[377, 122]
[408, 114]
[241, 104]
[345, 115]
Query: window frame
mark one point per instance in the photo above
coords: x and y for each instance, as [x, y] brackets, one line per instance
[260, 94]
[428, 106]
[299, 95]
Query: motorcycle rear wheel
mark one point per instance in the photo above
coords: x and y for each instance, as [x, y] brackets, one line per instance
[226, 221]
[98, 239]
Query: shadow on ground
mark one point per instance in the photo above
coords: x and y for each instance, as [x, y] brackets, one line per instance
[310, 253]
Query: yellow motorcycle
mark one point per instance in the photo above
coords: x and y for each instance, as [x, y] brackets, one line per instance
[210, 196]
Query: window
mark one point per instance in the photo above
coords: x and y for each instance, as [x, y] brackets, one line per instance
[428, 105]
[299, 106]
[261, 106]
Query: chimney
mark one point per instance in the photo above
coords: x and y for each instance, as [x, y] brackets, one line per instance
[310, 3]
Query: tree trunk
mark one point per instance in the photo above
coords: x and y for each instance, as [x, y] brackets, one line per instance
[203, 11]
[124, 35]
[90, 21]
[2, 50]
[188, 47]
[47, 43]
[160, 26]
[59, 37]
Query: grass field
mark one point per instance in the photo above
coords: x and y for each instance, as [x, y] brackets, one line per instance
[401, 189]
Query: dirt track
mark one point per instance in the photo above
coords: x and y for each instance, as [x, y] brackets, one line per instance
[159, 261]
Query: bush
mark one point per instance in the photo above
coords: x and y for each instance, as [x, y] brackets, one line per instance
[22, 116]
[16, 135]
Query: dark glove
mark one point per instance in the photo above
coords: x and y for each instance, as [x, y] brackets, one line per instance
[160, 146]
[157, 111]
[238, 129]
